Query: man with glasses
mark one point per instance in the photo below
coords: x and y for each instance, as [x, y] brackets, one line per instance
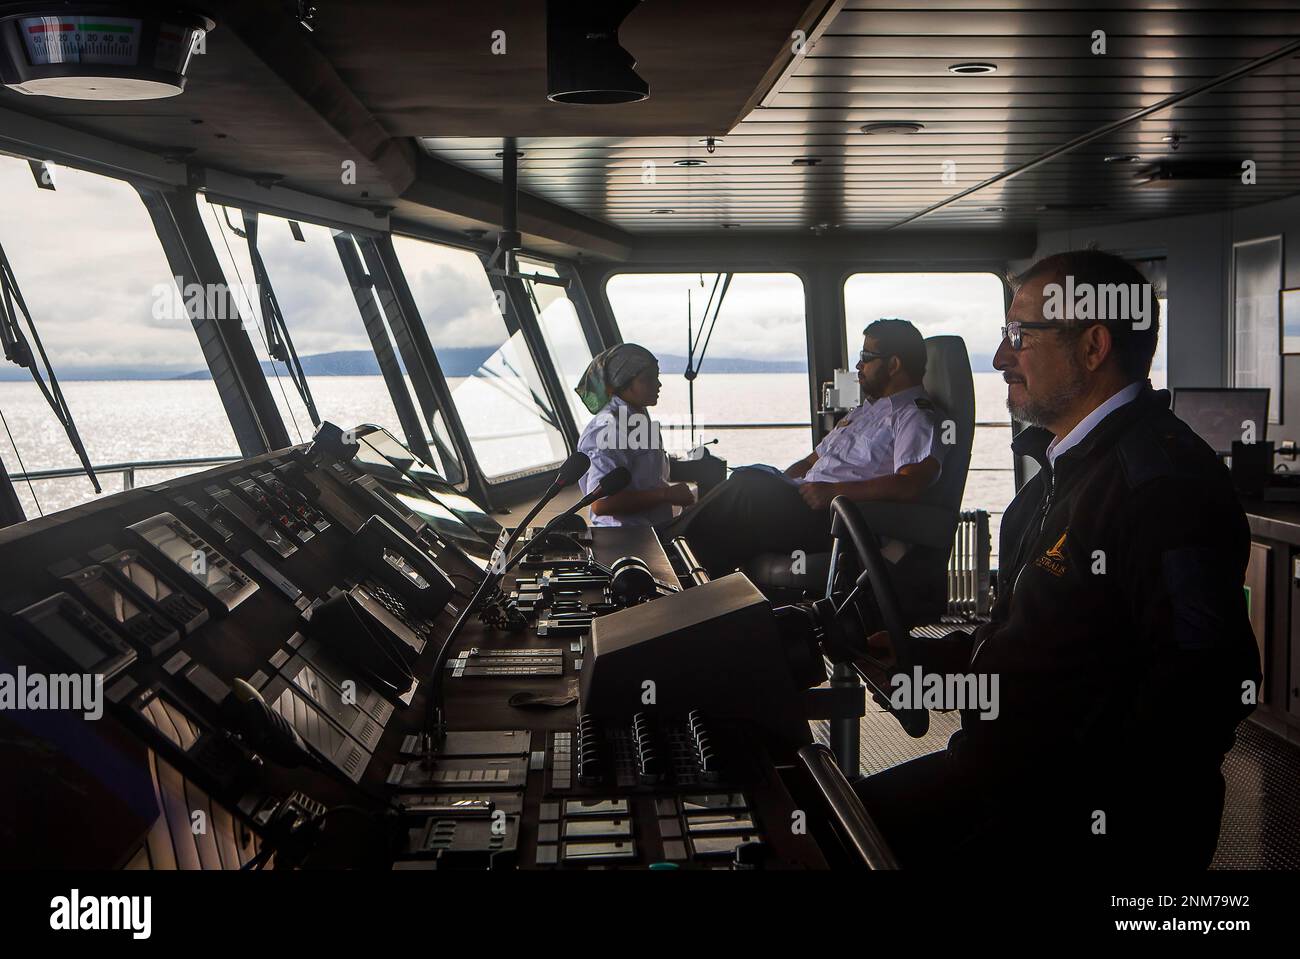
[888, 448]
[1119, 641]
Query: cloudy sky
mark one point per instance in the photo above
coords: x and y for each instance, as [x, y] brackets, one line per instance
[90, 265]
[88, 261]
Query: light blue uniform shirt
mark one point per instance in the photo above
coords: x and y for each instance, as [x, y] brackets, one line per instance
[879, 439]
[622, 435]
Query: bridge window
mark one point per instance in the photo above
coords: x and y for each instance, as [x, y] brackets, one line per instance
[969, 305]
[499, 395]
[320, 312]
[562, 332]
[88, 262]
[751, 394]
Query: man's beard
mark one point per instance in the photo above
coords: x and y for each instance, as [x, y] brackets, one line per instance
[872, 387]
[1045, 410]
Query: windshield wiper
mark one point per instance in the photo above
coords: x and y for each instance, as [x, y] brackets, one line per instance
[493, 378]
[279, 344]
[19, 351]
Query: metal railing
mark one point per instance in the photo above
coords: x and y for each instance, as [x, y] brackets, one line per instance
[128, 470]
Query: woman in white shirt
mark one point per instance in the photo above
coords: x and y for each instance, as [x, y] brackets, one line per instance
[619, 386]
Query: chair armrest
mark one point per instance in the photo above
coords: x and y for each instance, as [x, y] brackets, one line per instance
[922, 524]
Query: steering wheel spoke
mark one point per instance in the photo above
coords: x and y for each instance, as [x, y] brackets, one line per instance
[852, 533]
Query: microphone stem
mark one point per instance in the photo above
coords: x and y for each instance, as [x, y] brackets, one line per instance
[491, 577]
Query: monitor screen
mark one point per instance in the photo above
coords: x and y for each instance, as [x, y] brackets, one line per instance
[212, 575]
[110, 600]
[142, 577]
[452, 514]
[1222, 416]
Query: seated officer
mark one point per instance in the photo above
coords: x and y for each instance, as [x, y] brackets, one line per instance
[1119, 650]
[886, 449]
[618, 386]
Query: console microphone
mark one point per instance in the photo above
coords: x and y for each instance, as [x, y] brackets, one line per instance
[615, 481]
[570, 471]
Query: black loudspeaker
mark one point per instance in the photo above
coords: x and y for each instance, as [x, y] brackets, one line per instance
[714, 647]
[1252, 467]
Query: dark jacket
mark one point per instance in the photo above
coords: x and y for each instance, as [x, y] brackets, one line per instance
[1120, 634]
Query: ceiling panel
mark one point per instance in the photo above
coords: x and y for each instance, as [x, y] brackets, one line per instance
[880, 61]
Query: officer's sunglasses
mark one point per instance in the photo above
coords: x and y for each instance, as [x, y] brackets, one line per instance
[1013, 332]
[866, 356]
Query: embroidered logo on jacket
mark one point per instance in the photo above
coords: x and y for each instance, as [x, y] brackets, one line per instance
[1054, 559]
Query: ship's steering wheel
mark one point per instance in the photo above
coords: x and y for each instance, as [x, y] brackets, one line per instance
[851, 532]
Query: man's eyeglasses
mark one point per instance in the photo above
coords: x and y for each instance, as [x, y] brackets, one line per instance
[866, 356]
[1013, 332]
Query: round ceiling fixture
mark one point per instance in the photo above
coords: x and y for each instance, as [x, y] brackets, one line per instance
[98, 51]
[662, 212]
[893, 126]
[1121, 158]
[500, 154]
[805, 161]
[690, 162]
[973, 69]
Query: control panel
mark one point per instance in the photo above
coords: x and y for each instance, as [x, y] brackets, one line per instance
[274, 631]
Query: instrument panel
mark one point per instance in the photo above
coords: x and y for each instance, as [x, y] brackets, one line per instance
[269, 630]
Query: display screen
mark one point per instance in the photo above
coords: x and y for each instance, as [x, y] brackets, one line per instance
[213, 576]
[1220, 416]
[143, 578]
[109, 599]
[79, 647]
[448, 527]
[384, 457]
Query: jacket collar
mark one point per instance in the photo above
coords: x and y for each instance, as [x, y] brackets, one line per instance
[1033, 441]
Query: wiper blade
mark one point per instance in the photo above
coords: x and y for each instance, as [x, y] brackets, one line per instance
[279, 344]
[19, 351]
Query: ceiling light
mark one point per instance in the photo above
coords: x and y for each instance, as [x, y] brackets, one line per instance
[993, 209]
[1121, 158]
[500, 154]
[584, 63]
[731, 226]
[1167, 172]
[1069, 207]
[690, 162]
[77, 52]
[662, 211]
[973, 69]
[805, 161]
[893, 126]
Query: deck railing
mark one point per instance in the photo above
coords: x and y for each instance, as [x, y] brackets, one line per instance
[127, 470]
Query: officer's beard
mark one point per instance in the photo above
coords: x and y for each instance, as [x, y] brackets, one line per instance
[1043, 411]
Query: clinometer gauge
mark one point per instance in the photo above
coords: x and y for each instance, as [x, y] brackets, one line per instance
[98, 51]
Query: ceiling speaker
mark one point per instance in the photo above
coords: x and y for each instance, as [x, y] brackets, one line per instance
[584, 63]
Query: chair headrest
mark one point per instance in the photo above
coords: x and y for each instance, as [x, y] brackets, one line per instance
[950, 383]
[948, 377]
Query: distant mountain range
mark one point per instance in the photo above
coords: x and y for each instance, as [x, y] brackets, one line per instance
[455, 362]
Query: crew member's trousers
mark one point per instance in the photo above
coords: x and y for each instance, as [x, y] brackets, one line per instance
[938, 813]
[753, 512]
